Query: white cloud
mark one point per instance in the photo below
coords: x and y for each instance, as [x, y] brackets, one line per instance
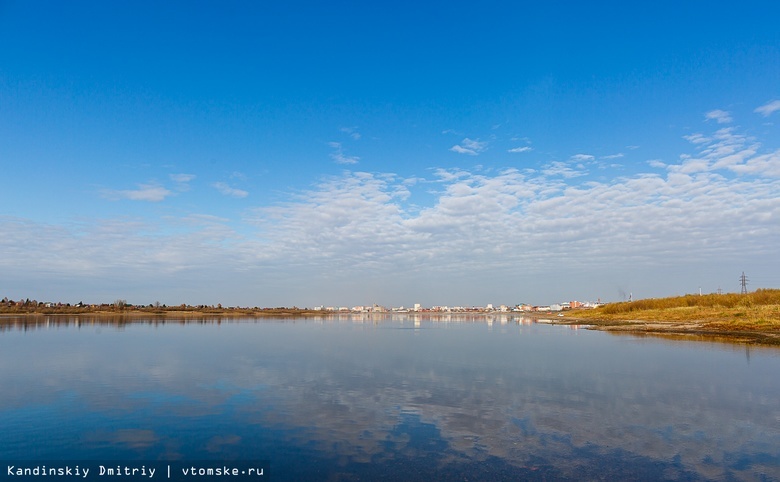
[340, 158]
[696, 139]
[182, 181]
[474, 144]
[613, 156]
[171, 262]
[468, 146]
[338, 155]
[463, 150]
[557, 168]
[145, 192]
[447, 175]
[657, 163]
[227, 190]
[183, 178]
[728, 150]
[352, 132]
[719, 116]
[692, 165]
[769, 108]
[765, 164]
[520, 149]
[582, 157]
[511, 219]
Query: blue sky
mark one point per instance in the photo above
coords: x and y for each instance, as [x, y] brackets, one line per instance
[347, 153]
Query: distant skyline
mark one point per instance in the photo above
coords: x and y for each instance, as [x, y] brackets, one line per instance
[342, 153]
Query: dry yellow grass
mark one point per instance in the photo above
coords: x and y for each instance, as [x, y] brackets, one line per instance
[755, 313]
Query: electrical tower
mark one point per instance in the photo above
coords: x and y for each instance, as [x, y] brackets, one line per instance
[744, 281]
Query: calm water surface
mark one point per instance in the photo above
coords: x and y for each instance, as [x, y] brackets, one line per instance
[392, 399]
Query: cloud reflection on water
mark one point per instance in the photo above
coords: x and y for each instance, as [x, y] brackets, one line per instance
[371, 393]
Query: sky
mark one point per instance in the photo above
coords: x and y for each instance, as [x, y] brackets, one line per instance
[347, 153]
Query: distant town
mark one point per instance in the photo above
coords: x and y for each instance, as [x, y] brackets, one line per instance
[568, 305]
[33, 306]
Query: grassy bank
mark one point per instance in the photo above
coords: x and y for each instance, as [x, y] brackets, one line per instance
[756, 313]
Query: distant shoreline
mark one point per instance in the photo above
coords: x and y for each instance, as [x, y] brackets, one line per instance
[754, 324]
[260, 313]
[165, 312]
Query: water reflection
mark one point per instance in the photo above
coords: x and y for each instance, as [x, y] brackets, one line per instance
[37, 322]
[429, 397]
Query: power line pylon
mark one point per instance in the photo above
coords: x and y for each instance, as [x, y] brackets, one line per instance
[744, 281]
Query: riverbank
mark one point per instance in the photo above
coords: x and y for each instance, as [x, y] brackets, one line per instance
[750, 318]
